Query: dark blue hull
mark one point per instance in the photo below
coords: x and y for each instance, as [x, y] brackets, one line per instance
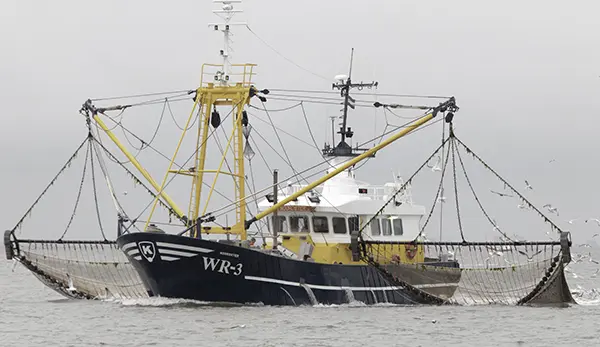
[182, 267]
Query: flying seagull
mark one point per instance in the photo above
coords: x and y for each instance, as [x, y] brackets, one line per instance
[436, 166]
[442, 198]
[530, 257]
[572, 220]
[551, 209]
[501, 194]
[527, 185]
[594, 220]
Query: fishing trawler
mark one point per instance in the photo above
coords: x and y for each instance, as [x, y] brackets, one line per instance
[313, 253]
[334, 240]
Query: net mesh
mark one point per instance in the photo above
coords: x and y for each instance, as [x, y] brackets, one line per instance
[82, 269]
[476, 274]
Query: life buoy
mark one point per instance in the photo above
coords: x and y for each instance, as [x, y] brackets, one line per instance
[410, 250]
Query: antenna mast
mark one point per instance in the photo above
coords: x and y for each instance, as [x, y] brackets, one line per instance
[226, 13]
[344, 85]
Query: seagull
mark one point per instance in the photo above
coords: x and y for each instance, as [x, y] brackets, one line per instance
[572, 220]
[592, 260]
[595, 235]
[71, 288]
[530, 257]
[594, 220]
[522, 206]
[436, 166]
[125, 193]
[595, 273]
[527, 185]
[496, 228]
[442, 198]
[551, 161]
[551, 209]
[501, 194]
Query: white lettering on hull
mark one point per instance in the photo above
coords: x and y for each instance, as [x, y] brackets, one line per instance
[222, 266]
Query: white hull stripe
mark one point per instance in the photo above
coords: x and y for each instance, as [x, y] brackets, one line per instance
[129, 245]
[435, 285]
[184, 247]
[172, 252]
[168, 258]
[317, 286]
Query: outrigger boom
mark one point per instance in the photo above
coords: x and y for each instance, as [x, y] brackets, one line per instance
[450, 104]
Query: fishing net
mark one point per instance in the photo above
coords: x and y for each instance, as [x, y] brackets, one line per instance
[80, 269]
[510, 274]
[90, 269]
[508, 271]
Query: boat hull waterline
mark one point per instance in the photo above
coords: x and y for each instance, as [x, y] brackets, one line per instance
[188, 268]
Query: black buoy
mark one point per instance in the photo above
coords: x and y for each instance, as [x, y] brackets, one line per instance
[8, 245]
[215, 119]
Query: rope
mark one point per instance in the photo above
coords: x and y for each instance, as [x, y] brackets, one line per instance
[87, 153]
[477, 198]
[440, 186]
[284, 57]
[462, 236]
[359, 92]
[138, 181]
[401, 189]
[277, 110]
[283, 131]
[67, 164]
[546, 219]
[142, 95]
[144, 143]
[187, 160]
[175, 121]
[97, 205]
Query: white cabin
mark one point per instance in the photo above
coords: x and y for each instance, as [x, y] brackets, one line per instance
[342, 204]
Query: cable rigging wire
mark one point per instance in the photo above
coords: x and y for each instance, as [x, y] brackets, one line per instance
[144, 143]
[311, 168]
[175, 121]
[185, 163]
[284, 57]
[85, 163]
[95, 193]
[60, 172]
[143, 95]
[360, 93]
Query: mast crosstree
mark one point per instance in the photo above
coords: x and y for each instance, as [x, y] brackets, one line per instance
[344, 85]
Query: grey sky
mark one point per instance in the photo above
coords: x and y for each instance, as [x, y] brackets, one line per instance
[526, 76]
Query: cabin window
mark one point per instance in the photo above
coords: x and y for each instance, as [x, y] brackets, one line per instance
[320, 224]
[398, 230]
[386, 227]
[375, 230]
[283, 225]
[299, 224]
[339, 225]
[353, 223]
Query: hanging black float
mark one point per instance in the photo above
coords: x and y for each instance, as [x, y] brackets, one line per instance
[244, 118]
[215, 119]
